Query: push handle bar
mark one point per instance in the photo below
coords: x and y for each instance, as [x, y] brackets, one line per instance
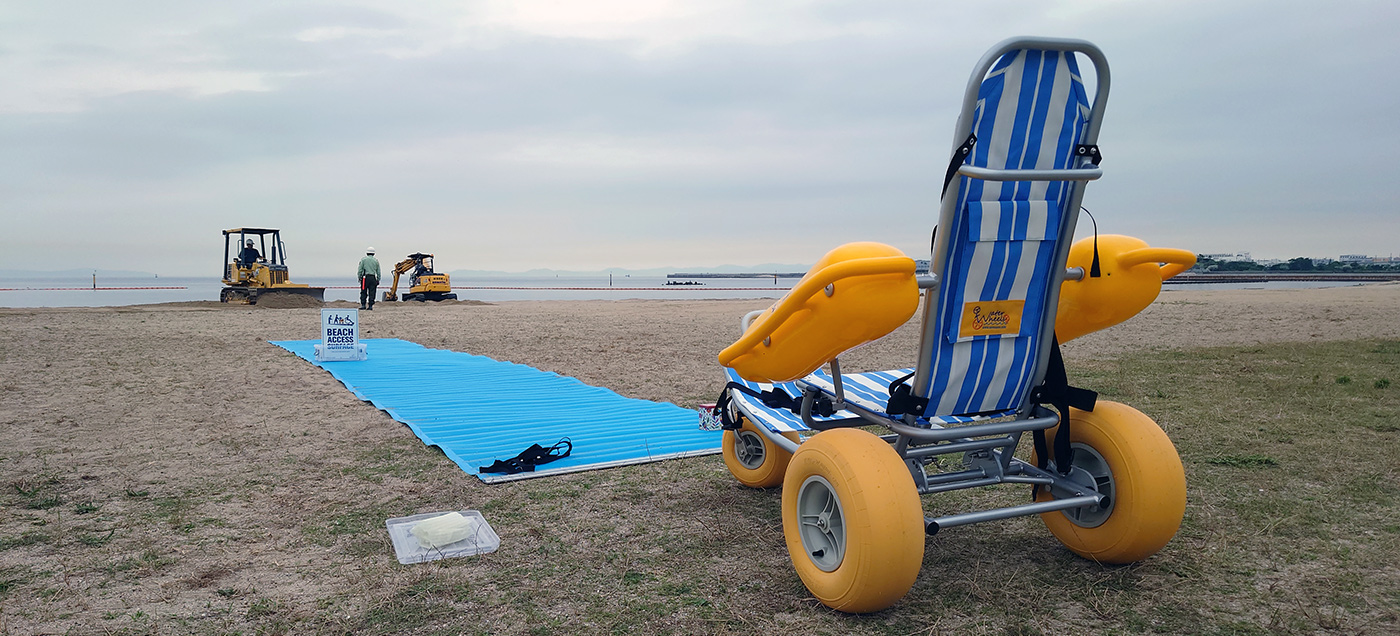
[993, 174]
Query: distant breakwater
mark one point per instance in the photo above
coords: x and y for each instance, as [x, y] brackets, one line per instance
[1185, 278]
[743, 275]
[1265, 277]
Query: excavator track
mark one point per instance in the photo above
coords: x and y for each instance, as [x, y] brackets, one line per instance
[433, 296]
[250, 295]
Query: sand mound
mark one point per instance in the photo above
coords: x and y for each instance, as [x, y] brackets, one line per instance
[287, 300]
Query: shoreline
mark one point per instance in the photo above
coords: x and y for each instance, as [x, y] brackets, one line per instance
[1168, 289]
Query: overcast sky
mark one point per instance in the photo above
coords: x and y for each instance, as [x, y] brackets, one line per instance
[586, 134]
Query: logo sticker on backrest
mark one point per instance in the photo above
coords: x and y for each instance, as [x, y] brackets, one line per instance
[991, 318]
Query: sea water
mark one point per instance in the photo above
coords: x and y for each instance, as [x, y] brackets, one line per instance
[79, 292]
[114, 291]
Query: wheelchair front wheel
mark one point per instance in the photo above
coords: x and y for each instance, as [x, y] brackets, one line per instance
[852, 520]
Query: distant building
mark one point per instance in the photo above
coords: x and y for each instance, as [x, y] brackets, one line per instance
[1355, 258]
[1230, 256]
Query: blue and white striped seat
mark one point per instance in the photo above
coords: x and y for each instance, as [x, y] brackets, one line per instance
[1031, 114]
[776, 419]
[870, 391]
[999, 246]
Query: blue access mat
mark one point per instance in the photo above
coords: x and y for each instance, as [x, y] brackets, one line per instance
[479, 410]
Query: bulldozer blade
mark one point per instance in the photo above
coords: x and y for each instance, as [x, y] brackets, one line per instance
[317, 293]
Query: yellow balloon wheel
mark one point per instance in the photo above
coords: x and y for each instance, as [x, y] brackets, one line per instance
[852, 520]
[1135, 465]
[752, 459]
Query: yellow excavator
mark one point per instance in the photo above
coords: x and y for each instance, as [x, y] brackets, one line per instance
[423, 283]
[258, 267]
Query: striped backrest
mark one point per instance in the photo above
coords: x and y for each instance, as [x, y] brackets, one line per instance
[993, 302]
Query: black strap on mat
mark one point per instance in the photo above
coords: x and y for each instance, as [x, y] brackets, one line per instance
[1056, 392]
[531, 457]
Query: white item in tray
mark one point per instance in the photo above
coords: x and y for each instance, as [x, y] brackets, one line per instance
[408, 548]
[444, 530]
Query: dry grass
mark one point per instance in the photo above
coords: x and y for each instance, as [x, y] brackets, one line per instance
[144, 490]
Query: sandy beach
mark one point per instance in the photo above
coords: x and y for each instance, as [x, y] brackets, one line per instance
[198, 473]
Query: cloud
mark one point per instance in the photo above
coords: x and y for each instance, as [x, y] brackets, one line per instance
[642, 134]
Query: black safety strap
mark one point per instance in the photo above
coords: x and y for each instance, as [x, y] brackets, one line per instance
[1056, 392]
[959, 157]
[721, 410]
[773, 399]
[902, 398]
[531, 457]
[1094, 271]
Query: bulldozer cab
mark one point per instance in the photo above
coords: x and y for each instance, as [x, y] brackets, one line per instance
[270, 269]
[248, 274]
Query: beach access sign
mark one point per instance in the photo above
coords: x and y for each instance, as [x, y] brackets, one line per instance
[340, 336]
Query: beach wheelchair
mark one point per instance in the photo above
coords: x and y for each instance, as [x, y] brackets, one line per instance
[1004, 282]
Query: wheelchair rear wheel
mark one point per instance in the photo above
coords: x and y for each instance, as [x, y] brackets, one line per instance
[1122, 453]
[752, 459]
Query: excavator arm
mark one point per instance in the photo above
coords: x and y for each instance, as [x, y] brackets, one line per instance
[402, 266]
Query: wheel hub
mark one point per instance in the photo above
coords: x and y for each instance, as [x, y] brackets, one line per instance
[748, 449]
[1091, 471]
[821, 523]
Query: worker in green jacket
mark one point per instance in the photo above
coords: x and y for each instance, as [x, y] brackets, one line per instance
[369, 279]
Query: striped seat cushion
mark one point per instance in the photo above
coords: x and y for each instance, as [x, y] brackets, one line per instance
[775, 419]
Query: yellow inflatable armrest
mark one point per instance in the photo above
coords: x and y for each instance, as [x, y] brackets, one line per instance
[856, 293]
[1130, 277]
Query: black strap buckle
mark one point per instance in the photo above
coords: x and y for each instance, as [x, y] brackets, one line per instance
[902, 399]
[959, 157]
[1088, 150]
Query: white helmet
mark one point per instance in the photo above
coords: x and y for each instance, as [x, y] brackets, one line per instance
[250, 242]
[369, 250]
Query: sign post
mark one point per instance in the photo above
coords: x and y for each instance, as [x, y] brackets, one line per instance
[340, 336]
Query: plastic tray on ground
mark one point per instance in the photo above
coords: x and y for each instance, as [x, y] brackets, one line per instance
[408, 550]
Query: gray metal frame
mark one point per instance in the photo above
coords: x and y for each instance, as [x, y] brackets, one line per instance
[987, 448]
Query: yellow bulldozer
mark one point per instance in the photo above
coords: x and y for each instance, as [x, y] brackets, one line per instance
[258, 267]
[423, 283]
